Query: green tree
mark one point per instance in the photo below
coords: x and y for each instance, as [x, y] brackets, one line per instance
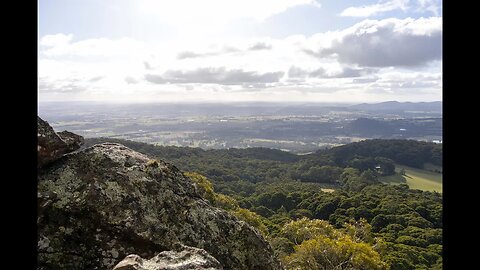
[359, 231]
[326, 253]
[303, 229]
[204, 186]
[252, 219]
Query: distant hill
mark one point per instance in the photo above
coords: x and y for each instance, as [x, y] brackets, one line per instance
[260, 164]
[435, 106]
[406, 152]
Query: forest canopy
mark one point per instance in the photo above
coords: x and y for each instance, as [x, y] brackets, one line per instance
[330, 200]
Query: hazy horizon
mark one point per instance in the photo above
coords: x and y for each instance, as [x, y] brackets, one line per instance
[125, 102]
[223, 51]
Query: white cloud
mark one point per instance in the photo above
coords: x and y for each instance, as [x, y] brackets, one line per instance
[130, 80]
[70, 85]
[375, 9]
[432, 6]
[215, 75]
[382, 43]
[343, 72]
[401, 82]
[370, 60]
[56, 40]
[383, 6]
[60, 45]
[192, 54]
[260, 46]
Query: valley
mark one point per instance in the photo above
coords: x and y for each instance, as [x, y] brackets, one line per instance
[297, 128]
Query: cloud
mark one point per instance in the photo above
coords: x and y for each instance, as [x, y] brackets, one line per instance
[57, 76]
[346, 72]
[352, 72]
[375, 9]
[260, 46]
[349, 63]
[60, 45]
[147, 65]
[211, 75]
[130, 80]
[230, 49]
[398, 81]
[226, 49]
[56, 40]
[296, 72]
[191, 54]
[389, 42]
[96, 79]
[432, 6]
[366, 80]
[421, 6]
[61, 86]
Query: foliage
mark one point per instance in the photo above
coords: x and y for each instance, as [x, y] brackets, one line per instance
[152, 163]
[304, 229]
[225, 202]
[325, 253]
[204, 186]
[407, 152]
[256, 165]
[359, 231]
[281, 195]
[252, 219]
[321, 246]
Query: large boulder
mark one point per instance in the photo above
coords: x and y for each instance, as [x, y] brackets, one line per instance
[183, 258]
[105, 202]
[52, 146]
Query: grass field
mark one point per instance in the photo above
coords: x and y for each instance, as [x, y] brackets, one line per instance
[415, 178]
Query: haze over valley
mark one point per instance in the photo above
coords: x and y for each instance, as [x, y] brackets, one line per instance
[294, 127]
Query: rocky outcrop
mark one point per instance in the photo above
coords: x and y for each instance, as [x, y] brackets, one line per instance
[100, 204]
[72, 140]
[52, 145]
[182, 258]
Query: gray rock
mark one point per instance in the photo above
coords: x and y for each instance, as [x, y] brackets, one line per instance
[72, 140]
[183, 258]
[108, 201]
[51, 146]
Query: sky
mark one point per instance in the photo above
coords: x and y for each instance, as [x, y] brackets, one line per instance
[239, 50]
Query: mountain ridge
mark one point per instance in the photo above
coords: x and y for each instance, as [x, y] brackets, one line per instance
[434, 106]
